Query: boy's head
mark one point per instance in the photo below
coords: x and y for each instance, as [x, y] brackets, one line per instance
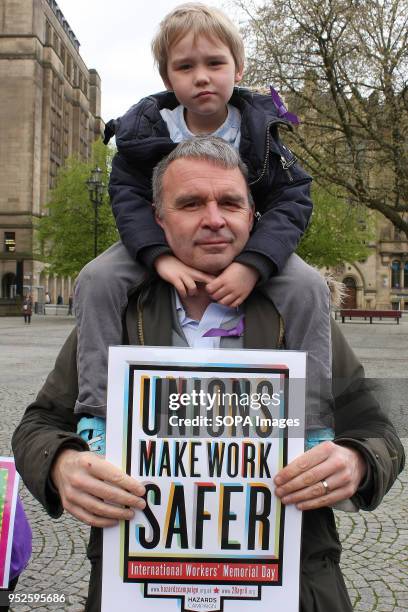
[196, 19]
[200, 56]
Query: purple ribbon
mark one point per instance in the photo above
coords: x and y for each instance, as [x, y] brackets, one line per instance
[283, 112]
[238, 330]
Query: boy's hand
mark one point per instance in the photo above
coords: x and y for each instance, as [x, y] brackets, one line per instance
[233, 285]
[182, 277]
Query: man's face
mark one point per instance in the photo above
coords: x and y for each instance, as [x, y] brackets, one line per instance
[202, 73]
[206, 215]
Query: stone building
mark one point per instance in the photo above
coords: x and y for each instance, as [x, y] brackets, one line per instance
[49, 109]
[380, 281]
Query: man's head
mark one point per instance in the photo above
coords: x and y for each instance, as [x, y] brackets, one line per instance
[200, 56]
[203, 203]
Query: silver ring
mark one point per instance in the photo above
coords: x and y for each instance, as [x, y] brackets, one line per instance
[326, 486]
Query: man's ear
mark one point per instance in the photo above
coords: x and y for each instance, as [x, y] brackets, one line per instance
[157, 218]
[251, 218]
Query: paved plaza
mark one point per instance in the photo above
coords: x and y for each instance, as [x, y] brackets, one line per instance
[375, 557]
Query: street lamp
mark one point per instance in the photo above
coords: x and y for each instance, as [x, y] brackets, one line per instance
[96, 189]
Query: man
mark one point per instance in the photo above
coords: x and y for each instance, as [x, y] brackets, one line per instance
[203, 204]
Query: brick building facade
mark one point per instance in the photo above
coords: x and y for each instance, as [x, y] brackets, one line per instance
[49, 109]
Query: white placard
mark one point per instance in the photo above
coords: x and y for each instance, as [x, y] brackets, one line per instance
[205, 431]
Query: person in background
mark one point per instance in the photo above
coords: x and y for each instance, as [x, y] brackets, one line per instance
[27, 309]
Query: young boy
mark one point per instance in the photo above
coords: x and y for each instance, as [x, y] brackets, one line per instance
[200, 56]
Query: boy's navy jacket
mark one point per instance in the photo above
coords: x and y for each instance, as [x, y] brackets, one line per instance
[280, 188]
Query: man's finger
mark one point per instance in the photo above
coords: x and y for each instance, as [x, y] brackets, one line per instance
[326, 500]
[304, 462]
[306, 479]
[98, 507]
[109, 493]
[102, 469]
[88, 518]
[314, 490]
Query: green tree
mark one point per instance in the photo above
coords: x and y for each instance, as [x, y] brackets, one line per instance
[342, 65]
[337, 233]
[66, 233]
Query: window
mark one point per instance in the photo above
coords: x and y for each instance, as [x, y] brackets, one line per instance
[56, 44]
[48, 33]
[9, 242]
[406, 275]
[395, 274]
[69, 66]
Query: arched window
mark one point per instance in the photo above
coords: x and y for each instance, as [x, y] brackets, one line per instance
[406, 275]
[395, 274]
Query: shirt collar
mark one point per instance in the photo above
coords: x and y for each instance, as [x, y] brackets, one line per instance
[223, 312]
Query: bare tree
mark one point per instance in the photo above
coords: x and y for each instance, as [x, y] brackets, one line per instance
[342, 65]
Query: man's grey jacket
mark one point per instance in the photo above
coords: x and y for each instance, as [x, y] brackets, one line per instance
[49, 425]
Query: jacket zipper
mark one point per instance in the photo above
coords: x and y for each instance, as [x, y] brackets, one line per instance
[140, 320]
[266, 158]
[285, 164]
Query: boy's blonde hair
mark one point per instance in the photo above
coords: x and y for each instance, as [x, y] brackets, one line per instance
[199, 19]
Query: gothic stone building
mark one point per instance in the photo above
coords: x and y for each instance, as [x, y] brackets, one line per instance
[49, 110]
[381, 281]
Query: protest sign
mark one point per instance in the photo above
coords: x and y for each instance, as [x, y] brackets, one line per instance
[205, 431]
[8, 499]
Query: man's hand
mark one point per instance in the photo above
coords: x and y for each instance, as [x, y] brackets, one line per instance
[233, 285]
[182, 277]
[93, 490]
[300, 482]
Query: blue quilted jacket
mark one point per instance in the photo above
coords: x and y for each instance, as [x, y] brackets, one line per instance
[280, 187]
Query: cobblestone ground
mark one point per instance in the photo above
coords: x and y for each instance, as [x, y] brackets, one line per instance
[375, 557]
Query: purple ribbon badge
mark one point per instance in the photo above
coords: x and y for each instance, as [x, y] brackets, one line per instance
[283, 112]
[238, 330]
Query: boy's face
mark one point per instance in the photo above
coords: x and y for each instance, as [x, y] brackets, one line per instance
[202, 74]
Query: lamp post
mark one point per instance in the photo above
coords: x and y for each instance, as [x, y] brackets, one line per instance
[96, 189]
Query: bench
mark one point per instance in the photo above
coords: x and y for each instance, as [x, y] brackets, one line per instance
[370, 314]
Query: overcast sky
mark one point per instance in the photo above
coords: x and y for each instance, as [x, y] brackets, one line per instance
[115, 40]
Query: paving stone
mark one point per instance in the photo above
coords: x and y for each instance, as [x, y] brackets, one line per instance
[374, 559]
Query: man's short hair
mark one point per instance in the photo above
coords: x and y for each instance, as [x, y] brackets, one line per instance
[200, 20]
[208, 148]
